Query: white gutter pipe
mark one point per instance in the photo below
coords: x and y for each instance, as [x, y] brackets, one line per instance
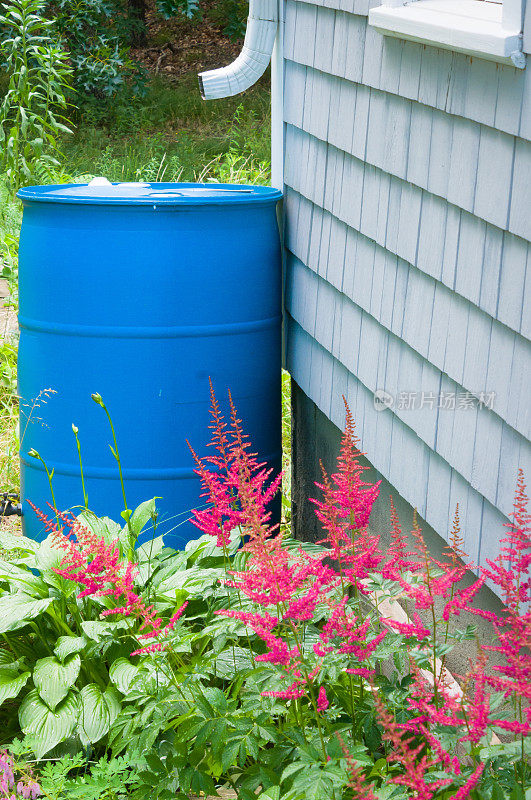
[254, 58]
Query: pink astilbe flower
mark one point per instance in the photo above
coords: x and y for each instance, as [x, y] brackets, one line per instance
[361, 790]
[236, 486]
[513, 626]
[362, 672]
[478, 705]
[510, 572]
[461, 602]
[353, 496]
[463, 793]
[430, 709]
[399, 558]
[413, 760]
[345, 509]
[414, 629]
[95, 565]
[322, 700]
[345, 633]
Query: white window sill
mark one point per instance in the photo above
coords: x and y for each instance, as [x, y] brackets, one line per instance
[468, 26]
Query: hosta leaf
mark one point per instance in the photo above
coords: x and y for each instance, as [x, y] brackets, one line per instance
[66, 645]
[98, 629]
[10, 541]
[22, 578]
[195, 578]
[11, 683]
[101, 526]
[122, 673]
[17, 609]
[53, 679]
[150, 549]
[47, 728]
[98, 710]
[142, 515]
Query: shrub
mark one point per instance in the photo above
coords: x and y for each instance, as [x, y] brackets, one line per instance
[31, 111]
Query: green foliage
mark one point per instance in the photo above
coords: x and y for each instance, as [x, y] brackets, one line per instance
[57, 653]
[32, 109]
[173, 8]
[97, 35]
[232, 16]
[171, 134]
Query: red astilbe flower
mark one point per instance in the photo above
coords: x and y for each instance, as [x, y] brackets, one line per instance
[95, 565]
[291, 583]
[345, 509]
[510, 572]
[345, 633]
[236, 486]
[399, 558]
[361, 790]
[322, 700]
[463, 793]
[513, 625]
[415, 629]
[413, 759]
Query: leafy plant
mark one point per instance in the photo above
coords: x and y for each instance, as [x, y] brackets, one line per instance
[253, 661]
[32, 109]
[98, 35]
[57, 652]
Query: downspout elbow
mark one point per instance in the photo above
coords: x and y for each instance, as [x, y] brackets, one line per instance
[254, 58]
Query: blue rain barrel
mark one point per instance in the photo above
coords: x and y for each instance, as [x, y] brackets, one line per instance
[142, 292]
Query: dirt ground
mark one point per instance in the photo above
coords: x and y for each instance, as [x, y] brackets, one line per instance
[177, 46]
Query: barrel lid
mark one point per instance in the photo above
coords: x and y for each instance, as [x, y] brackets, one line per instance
[101, 191]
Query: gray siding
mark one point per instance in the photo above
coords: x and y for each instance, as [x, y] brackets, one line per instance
[408, 267]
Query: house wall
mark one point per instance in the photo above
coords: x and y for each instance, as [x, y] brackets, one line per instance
[407, 176]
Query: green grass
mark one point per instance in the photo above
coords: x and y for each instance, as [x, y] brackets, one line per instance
[172, 134]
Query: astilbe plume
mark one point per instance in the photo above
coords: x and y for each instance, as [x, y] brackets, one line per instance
[94, 564]
[346, 633]
[361, 790]
[345, 509]
[413, 759]
[399, 558]
[510, 573]
[237, 487]
[292, 583]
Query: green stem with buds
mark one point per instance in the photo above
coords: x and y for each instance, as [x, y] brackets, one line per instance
[75, 430]
[34, 454]
[127, 512]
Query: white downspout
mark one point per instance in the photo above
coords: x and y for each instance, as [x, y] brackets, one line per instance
[254, 58]
[277, 104]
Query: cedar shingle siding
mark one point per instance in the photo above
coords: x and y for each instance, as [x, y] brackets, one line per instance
[408, 220]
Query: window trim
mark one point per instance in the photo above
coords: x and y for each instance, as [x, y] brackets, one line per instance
[483, 29]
